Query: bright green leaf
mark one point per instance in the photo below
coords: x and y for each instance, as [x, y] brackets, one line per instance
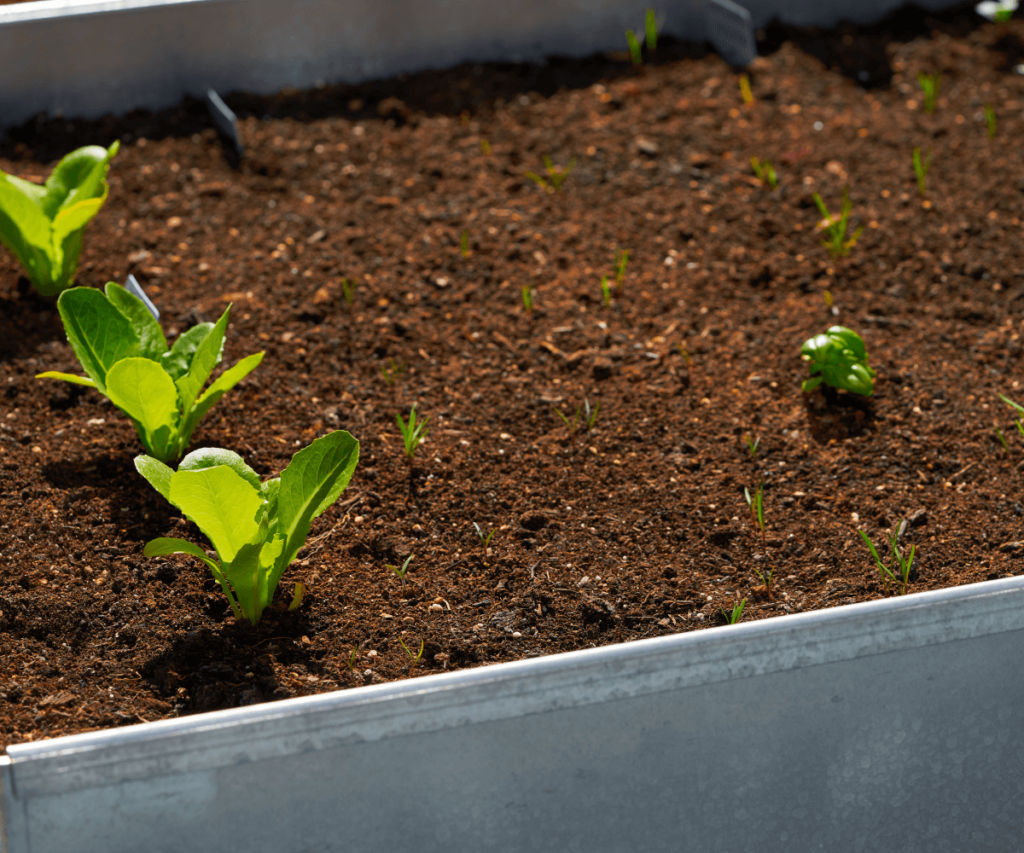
[221, 503]
[152, 344]
[207, 356]
[158, 474]
[99, 334]
[143, 391]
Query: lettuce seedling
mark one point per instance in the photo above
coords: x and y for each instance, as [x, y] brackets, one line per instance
[256, 528]
[839, 359]
[122, 349]
[43, 225]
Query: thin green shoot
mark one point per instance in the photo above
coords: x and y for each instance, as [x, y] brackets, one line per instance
[527, 294]
[400, 571]
[1019, 422]
[651, 31]
[413, 434]
[352, 657]
[745, 91]
[896, 561]
[297, 596]
[589, 416]
[485, 147]
[990, 121]
[464, 243]
[752, 446]
[556, 176]
[921, 168]
[606, 292]
[756, 504]
[766, 579]
[485, 540]
[634, 48]
[837, 243]
[348, 291]
[1002, 439]
[621, 259]
[736, 614]
[685, 353]
[392, 372]
[764, 172]
[414, 658]
[930, 84]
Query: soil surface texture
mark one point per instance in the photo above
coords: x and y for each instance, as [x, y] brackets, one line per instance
[629, 526]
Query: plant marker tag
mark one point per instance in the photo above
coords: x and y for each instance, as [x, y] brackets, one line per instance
[731, 31]
[135, 289]
[225, 120]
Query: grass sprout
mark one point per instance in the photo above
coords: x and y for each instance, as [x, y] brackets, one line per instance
[400, 571]
[837, 242]
[930, 84]
[348, 291]
[1017, 407]
[752, 446]
[527, 294]
[414, 658]
[606, 292]
[589, 416]
[392, 372]
[921, 167]
[766, 579]
[621, 259]
[990, 121]
[485, 147]
[1002, 439]
[464, 244]
[556, 177]
[896, 562]
[735, 614]
[485, 540]
[756, 504]
[634, 48]
[413, 434]
[745, 92]
[764, 172]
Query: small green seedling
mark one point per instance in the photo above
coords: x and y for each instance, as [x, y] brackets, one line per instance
[764, 172]
[990, 121]
[589, 416]
[736, 614]
[1002, 439]
[484, 540]
[756, 504]
[921, 167]
[1019, 423]
[745, 91]
[685, 353]
[896, 560]
[400, 571]
[621, 259]
[634, 48]
[464, 244]
[352, 657]
[485, 147]
[413, 434]
[556, 176]
[43, 226]
[839, 359]
[651, 31]
[257, 528]
[766, 579]
[392, 372]
[837, 243]
[414, 658]
[348, 291]
[930, 84]
[752, 446]
[125, 356]
[606, 292]
[527, 295]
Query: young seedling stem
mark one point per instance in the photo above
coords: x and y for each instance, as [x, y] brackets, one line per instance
[485, 147]
[1002, 439]
[464, 244]
[990, 121]
[736, 614]
[621, 259]
[527, 294]
[413, 434]
[752, 446]
[392, 372]
[756, 504]
[837, 243]
[930, 84]
[556, 176]
[764, 172]
[414, 658]
[400, 571]
[485, 540]
[921, 167]
[766, 579]
[896, 561]
[606, 292]
[746, 93]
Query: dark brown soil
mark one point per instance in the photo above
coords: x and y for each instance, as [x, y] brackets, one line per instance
[634, 529]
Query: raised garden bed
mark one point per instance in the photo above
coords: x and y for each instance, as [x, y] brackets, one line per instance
[637, 528]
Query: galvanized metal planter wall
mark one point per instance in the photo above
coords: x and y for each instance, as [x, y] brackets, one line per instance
[85, 58]
[895, 725]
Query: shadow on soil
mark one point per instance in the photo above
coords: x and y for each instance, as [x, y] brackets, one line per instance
[837, 415]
